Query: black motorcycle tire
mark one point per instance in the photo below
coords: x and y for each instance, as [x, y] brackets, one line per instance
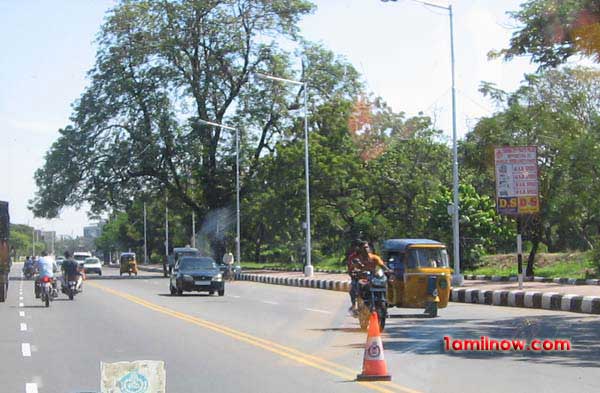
[71, 297]
[381, 315]
[47, 300]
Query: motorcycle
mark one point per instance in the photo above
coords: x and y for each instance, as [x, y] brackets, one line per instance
[372, 296]
[28, 271]
[71, 288]
[48, 290]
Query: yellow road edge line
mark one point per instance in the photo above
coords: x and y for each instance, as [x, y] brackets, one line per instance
[282, 350]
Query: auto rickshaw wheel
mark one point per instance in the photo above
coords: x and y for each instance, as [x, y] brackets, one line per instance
[432, 309]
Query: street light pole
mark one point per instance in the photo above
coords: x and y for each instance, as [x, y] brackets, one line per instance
[237, 184]
[167, 226]
[237, 196]
[308, 269]
[145, 237]
[193, 229]
[457, 278]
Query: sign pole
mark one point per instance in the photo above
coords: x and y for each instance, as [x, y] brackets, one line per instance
[519, 253]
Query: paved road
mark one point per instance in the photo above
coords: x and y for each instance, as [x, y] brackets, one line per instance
[268, 338]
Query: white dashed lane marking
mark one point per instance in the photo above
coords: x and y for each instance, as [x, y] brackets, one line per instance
[21, 304]
[235, 296]
[319, 311]
[269, 302]
[26, 349]
[23, 327]
[31, 388]
[21, 313]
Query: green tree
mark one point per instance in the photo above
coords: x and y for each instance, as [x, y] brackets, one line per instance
[551, 31]
[557, 111]
[161, 67]
[482, 230]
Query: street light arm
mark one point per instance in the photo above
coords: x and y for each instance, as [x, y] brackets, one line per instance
[210, 123]
[425, 3]
[432, 5]
[275, 78]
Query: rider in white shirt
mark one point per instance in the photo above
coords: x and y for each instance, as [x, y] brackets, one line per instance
[46, 266]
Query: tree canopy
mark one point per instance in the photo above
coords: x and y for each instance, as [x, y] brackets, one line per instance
[551, 31]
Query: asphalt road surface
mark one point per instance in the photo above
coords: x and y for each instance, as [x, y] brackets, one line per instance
[266, 338]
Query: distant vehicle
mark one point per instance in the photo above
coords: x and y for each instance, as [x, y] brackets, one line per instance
[178, 252]
[199, 274]
[81, 256]
[5, 261]
[128, 263]
[92, 265]
[59, 262]
[236, 269]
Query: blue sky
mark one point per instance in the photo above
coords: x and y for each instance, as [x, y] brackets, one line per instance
[401, 48]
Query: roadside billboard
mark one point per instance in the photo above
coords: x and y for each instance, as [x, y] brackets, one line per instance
[517, 187]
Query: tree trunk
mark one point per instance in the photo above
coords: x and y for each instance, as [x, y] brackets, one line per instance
[531, 258]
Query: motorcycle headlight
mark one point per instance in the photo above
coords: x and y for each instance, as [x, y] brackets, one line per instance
[379, 272]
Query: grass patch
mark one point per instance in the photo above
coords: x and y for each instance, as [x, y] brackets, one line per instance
[551, 265]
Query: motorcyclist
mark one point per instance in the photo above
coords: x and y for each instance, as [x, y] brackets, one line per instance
[362, 259]
[72, 272]
[369, 260]
[353, 262]
[46, 267]
[28, 265]
[228, 262]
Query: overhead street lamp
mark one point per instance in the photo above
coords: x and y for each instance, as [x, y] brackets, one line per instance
[308, 269]
[237, 183]
[457, 278]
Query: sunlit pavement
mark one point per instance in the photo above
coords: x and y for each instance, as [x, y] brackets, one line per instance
[268, 338]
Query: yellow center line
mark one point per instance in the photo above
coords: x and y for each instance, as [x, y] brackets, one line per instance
[287, 352]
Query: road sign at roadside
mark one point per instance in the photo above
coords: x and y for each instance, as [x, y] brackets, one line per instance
[516, 180]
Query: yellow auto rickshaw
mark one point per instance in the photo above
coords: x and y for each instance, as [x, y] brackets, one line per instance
[128, 263]
[421, 276]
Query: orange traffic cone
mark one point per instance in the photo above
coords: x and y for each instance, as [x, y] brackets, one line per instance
[374, 367]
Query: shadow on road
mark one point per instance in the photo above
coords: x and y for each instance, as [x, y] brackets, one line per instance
[343, 330]
[426, 337]
[189, 295]
[408, 316]
[123, 277]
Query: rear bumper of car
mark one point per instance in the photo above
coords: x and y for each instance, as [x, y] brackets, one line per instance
[93, 269]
